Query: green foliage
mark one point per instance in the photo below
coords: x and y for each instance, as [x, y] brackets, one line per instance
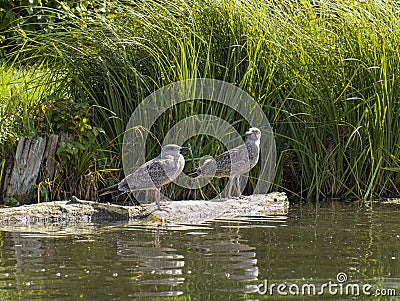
[80, 152]
[65, 116]
[10, 202]
[25, 110]
[326, 74]
[25, 18]
[67, 151]
[20, 89]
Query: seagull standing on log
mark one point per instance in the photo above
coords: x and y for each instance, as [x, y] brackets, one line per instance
[153, 174]
[234, 162]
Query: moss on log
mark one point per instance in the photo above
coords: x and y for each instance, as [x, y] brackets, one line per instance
[179, 212]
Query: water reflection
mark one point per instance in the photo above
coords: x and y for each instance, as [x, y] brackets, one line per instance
[160, 269]
[100, 261]
[26, 259]
[220, 260]
[236, 259]
[153, 266]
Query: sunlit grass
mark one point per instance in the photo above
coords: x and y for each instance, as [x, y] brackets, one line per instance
[20, 92]
[326, 75]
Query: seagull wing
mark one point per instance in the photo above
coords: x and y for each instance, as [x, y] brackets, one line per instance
[223, 162]
[232, 162]
[150, 175]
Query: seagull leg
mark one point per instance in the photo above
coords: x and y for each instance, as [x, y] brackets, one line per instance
[240, 196]
[238, 186]
[158, 197]
[230, 182]
[161, 207]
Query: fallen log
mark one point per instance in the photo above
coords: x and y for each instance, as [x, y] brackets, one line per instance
[179, 212]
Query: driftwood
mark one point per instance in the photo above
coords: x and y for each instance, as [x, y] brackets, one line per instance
[179, 212]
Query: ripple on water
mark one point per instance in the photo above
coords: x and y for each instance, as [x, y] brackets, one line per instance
[255, 221]
[218, 260]
[154, 267]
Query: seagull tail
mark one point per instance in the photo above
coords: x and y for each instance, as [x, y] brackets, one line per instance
[108, 190]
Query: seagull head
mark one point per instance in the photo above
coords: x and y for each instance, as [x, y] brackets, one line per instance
[253, 134]
[173, 149]
[184, 149]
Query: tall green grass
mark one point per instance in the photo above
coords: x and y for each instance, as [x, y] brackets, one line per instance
[20, 90]
[326, 73]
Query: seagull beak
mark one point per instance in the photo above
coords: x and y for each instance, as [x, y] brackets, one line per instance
[184, 149]
[248, 133]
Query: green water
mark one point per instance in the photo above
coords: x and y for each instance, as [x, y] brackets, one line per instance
[226, 260]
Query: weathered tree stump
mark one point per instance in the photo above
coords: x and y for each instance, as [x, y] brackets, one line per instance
[26, 167]
[32, 156]
[49, 157]
[179, 212]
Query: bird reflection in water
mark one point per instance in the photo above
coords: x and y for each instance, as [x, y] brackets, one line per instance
[154, 266]
[160, 270]
[237, 259]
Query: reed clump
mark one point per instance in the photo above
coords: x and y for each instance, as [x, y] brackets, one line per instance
[326, 74]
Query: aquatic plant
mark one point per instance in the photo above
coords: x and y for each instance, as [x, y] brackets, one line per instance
[325, 73]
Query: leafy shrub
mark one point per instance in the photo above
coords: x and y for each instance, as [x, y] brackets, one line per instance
[20, 19]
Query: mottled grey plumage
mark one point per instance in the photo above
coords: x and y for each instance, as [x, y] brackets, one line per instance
[153, 174]
[233, 162]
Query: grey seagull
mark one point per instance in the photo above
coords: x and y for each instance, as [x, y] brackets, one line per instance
[233, 162]
[153, 174]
